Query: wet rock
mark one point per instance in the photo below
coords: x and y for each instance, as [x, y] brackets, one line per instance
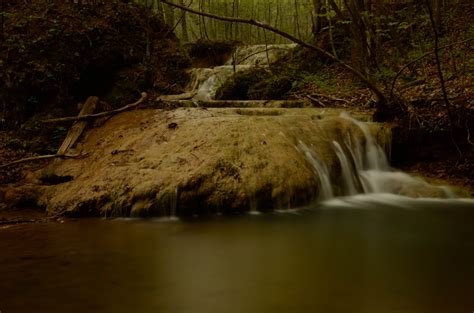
[216, 161]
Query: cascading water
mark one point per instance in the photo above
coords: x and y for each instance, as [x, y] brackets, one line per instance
[205, 81]
[320, 169]
[364, 169]
[348, 177]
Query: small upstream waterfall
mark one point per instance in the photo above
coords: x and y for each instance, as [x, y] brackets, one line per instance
[206, 81]
[363, 168]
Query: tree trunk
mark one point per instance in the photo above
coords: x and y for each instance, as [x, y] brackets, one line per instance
[317, 11]
[437, 7]
[184, 25]
[169, 15]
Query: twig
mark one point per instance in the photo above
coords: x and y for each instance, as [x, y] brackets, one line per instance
[330, 97]
[182, 96]
[312, 99]
[43, 157]
[98, 115]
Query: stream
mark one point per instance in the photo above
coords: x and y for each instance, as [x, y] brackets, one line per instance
[326, 258]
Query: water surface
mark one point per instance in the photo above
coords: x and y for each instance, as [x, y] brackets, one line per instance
[330, 259]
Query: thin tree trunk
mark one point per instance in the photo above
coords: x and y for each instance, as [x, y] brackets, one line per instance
[2, 22]
[297, 21]
[184, 25]
[317, 9]
[437, 4]
[169, 15]
[331, 37]
[440, 74]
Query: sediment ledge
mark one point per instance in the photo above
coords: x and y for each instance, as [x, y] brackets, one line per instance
[195, 161]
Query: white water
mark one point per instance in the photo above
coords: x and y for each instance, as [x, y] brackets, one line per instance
[394, 201]
[321, 170]
[348, 177]
[364, 170]
[206, 81]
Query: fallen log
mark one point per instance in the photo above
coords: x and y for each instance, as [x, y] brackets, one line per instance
[182, 96]
[87, 117]
[78, 127]
[43, 157]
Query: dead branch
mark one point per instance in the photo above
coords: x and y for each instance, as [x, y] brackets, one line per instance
[77, 128]
[376, 91]
[314, 100]
[43, 157]
[330, 97]
[144, 95]
[182, 96]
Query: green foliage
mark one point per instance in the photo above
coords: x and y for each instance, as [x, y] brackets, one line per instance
[384, 74]
[6, 14]
[322, 80]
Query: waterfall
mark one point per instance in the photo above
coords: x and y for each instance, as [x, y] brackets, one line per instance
[347, 174]
[174, 203]
[320, 170]
[364, 169]
[205, 81]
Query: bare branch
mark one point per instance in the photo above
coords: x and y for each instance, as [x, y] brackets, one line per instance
[43, 157]
[98, 115]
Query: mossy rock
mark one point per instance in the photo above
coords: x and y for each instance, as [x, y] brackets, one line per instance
[255, 84]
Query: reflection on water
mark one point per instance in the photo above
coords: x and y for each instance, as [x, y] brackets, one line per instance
[322, 260]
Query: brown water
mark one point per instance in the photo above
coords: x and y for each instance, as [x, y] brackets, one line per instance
[324, 260]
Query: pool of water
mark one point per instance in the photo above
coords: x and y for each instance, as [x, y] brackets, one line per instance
[336, 258]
